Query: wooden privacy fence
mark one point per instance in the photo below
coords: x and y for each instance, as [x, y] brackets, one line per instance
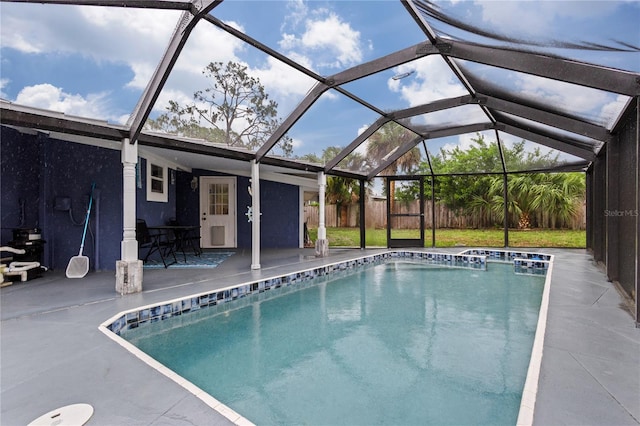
[376, 217]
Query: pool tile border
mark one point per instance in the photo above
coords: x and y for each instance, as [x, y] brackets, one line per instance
[152, 313]
[524, 263]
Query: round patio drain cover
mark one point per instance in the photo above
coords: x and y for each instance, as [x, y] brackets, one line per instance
[69, 415]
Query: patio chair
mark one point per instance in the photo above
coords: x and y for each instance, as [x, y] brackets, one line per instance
[155, 242]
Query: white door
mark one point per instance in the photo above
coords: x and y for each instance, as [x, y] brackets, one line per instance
[217, 212]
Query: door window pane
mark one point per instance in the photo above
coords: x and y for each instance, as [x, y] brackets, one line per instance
[219, 199]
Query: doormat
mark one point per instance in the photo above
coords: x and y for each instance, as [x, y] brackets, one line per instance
[205, 260]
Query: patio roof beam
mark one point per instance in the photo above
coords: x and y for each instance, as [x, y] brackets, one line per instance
[396, 116]
[360, 71]
[548, 118]
[187, 23]
[16, 115]
[434, 106]
[548, 141]
[262, 47]
[453, 131]
[142, 4]
[565, 70]
[291, 119]
[591, 145]
[177, 145]
[574, 166]
[281, 162]
[383, 63]
[403, 149]
[356, 142]
[426, 153]
[417, 16]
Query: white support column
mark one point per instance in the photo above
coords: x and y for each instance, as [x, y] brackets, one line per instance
[255, 209]
[322, 244]
[301, 217]
[129, 268]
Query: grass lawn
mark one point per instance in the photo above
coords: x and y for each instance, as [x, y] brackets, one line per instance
[350, 237]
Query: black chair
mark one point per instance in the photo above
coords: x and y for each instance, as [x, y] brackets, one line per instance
[186, 238]
[154, 242]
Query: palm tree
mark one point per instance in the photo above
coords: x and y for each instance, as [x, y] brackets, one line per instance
[382, 143]
[496, 200]
[556, 195]
[342, 191]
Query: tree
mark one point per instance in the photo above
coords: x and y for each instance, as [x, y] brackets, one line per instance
[234, 109]
[383, 142]
[558, 196]
[462, 193]
[533, 199]
[341, 191]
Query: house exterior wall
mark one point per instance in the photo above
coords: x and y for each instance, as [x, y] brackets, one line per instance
[41, 170]
[280, 220]
[36, 170]
[279, 202]
[19, 182]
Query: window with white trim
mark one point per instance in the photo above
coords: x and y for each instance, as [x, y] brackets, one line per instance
[157, 182]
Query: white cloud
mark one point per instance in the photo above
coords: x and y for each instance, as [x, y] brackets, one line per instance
[53, 98]
[296, 143]
[171, 95]
[562, 94]
[612, 110]
[209, 44]
[326, 37]
[206, 44]
[3, 84]
[280, 78]
[136, 37]
[297, 12]
[431, 80]
[464, 142]
[500, 15]
[333, 34]
[362, 148]
[541, 16]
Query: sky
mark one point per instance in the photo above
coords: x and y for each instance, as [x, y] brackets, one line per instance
[96, 61]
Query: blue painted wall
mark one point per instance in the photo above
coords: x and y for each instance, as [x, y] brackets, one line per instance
[40, 170]
[36, 170]
[279, 205]
[280, 215]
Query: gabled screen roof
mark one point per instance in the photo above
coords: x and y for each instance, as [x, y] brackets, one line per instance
[339, 77]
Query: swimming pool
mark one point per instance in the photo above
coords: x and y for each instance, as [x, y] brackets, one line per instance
[321, 345]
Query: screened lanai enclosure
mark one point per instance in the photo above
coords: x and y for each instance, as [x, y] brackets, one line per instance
[460, 103]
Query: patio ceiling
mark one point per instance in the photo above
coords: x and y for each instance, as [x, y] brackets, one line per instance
[477, 65]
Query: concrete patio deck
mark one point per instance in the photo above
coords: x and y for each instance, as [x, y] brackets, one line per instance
[52, 353]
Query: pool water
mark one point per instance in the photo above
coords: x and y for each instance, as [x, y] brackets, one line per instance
[396, 343]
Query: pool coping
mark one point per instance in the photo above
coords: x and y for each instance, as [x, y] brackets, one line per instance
[468, 259]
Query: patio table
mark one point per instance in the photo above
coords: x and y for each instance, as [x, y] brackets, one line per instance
[184, 236]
